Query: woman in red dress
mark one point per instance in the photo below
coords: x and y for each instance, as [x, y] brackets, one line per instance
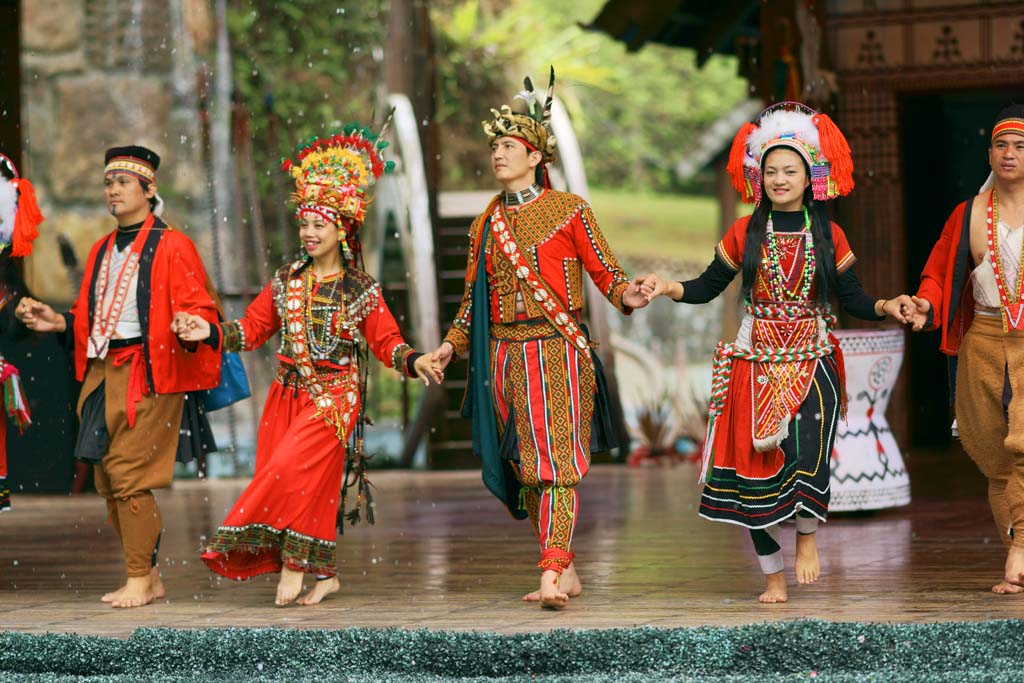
[326, 308]
[778, 390]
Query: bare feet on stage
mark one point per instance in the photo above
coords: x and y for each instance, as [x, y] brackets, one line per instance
[138, 591]
[808, 569]
[320, 590]
[774, 588]
[551, 594]
[1004, 588]
[289, 587]
[1015, 566]
[569, 583]
[156, 586]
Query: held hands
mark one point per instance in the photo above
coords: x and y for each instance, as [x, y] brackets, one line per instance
[428, 369]
[190, 328]
[900, 308]
[919, 315]
[442, 355]
[39, 317]
[651, 286]
[633, 296]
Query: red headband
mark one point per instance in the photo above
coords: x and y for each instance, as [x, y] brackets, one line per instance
[1008, 126]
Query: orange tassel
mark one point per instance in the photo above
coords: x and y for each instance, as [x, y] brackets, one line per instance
[837, 151]
[26, 220]
[736, 155]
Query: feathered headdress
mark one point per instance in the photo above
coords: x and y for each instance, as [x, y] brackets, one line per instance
[19, 213]
[812, 135]
[530, 122]
[333, 174]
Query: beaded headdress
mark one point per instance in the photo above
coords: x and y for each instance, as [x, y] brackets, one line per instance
[19, 213]
[333, 174]
[812, 135]
[529, 122]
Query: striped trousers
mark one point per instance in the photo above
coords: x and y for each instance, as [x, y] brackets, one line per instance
[544, 389]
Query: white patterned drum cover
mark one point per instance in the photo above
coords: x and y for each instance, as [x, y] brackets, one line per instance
[868, 472]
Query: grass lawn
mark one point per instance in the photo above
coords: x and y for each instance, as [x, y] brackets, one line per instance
[683, 227]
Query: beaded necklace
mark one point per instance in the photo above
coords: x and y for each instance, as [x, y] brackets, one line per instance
[523, 196]
[324, 347]
[1012, 310]
[777, 281]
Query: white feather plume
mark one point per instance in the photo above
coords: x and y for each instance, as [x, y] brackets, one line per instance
[776, 124]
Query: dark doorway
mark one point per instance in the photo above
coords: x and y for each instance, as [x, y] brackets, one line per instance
[945, 138]
[10, 80]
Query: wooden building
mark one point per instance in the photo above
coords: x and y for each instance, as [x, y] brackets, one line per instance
[914, 84]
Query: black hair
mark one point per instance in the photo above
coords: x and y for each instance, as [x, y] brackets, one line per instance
[825, 274]
[153, 201]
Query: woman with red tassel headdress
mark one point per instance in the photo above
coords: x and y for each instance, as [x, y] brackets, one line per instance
[778, 390]
[19, 226]
[310, 440]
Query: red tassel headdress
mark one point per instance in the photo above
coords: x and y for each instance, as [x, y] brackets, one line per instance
[27, 217]
[814, 136]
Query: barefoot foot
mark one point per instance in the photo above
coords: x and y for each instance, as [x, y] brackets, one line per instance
[1015, 566]
[808, 569]
[1004, 588]
[569, 582]
[551, 595]
[320, 590]
[156, 586]
[288, 587]
[775, 588]
[138, 591]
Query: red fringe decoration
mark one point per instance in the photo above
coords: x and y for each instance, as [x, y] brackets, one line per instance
[26, 220]
[837, 151]
[736, 155]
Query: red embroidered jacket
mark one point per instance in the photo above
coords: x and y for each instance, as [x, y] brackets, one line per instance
[945, 277]
[364, 313]
[171, 279]
[558, 234]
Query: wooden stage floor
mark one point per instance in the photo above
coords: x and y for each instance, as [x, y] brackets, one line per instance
[444, 555]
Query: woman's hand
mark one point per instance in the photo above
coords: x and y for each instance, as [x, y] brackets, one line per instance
[428, 369]
[652, 286]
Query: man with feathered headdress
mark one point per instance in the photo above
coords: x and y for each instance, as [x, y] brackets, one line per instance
[972, 290]
[134, 372]
[535, 387]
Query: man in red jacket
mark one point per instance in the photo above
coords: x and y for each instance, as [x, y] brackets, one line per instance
[133, 369]
[973, 291]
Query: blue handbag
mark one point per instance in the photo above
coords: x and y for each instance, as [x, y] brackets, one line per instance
[233, 387]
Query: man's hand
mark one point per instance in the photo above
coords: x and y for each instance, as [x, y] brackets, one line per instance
[900, 308]
[442, 355]
[633, 297]
[39, 317]
[428, 369]
[190, 328]
[919, 316]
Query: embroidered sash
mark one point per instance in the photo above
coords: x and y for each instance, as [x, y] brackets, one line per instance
[328, 408]
[105, 323]
[552, 307]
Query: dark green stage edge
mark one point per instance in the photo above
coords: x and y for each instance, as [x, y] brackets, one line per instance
[791, 651]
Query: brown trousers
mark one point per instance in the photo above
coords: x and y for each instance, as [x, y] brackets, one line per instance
[139, 459]
[993, 439]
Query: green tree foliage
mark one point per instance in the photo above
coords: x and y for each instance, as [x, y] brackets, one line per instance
[635, 114]
[301, 68]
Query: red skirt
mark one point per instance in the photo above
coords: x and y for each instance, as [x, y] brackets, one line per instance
[287, 514]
